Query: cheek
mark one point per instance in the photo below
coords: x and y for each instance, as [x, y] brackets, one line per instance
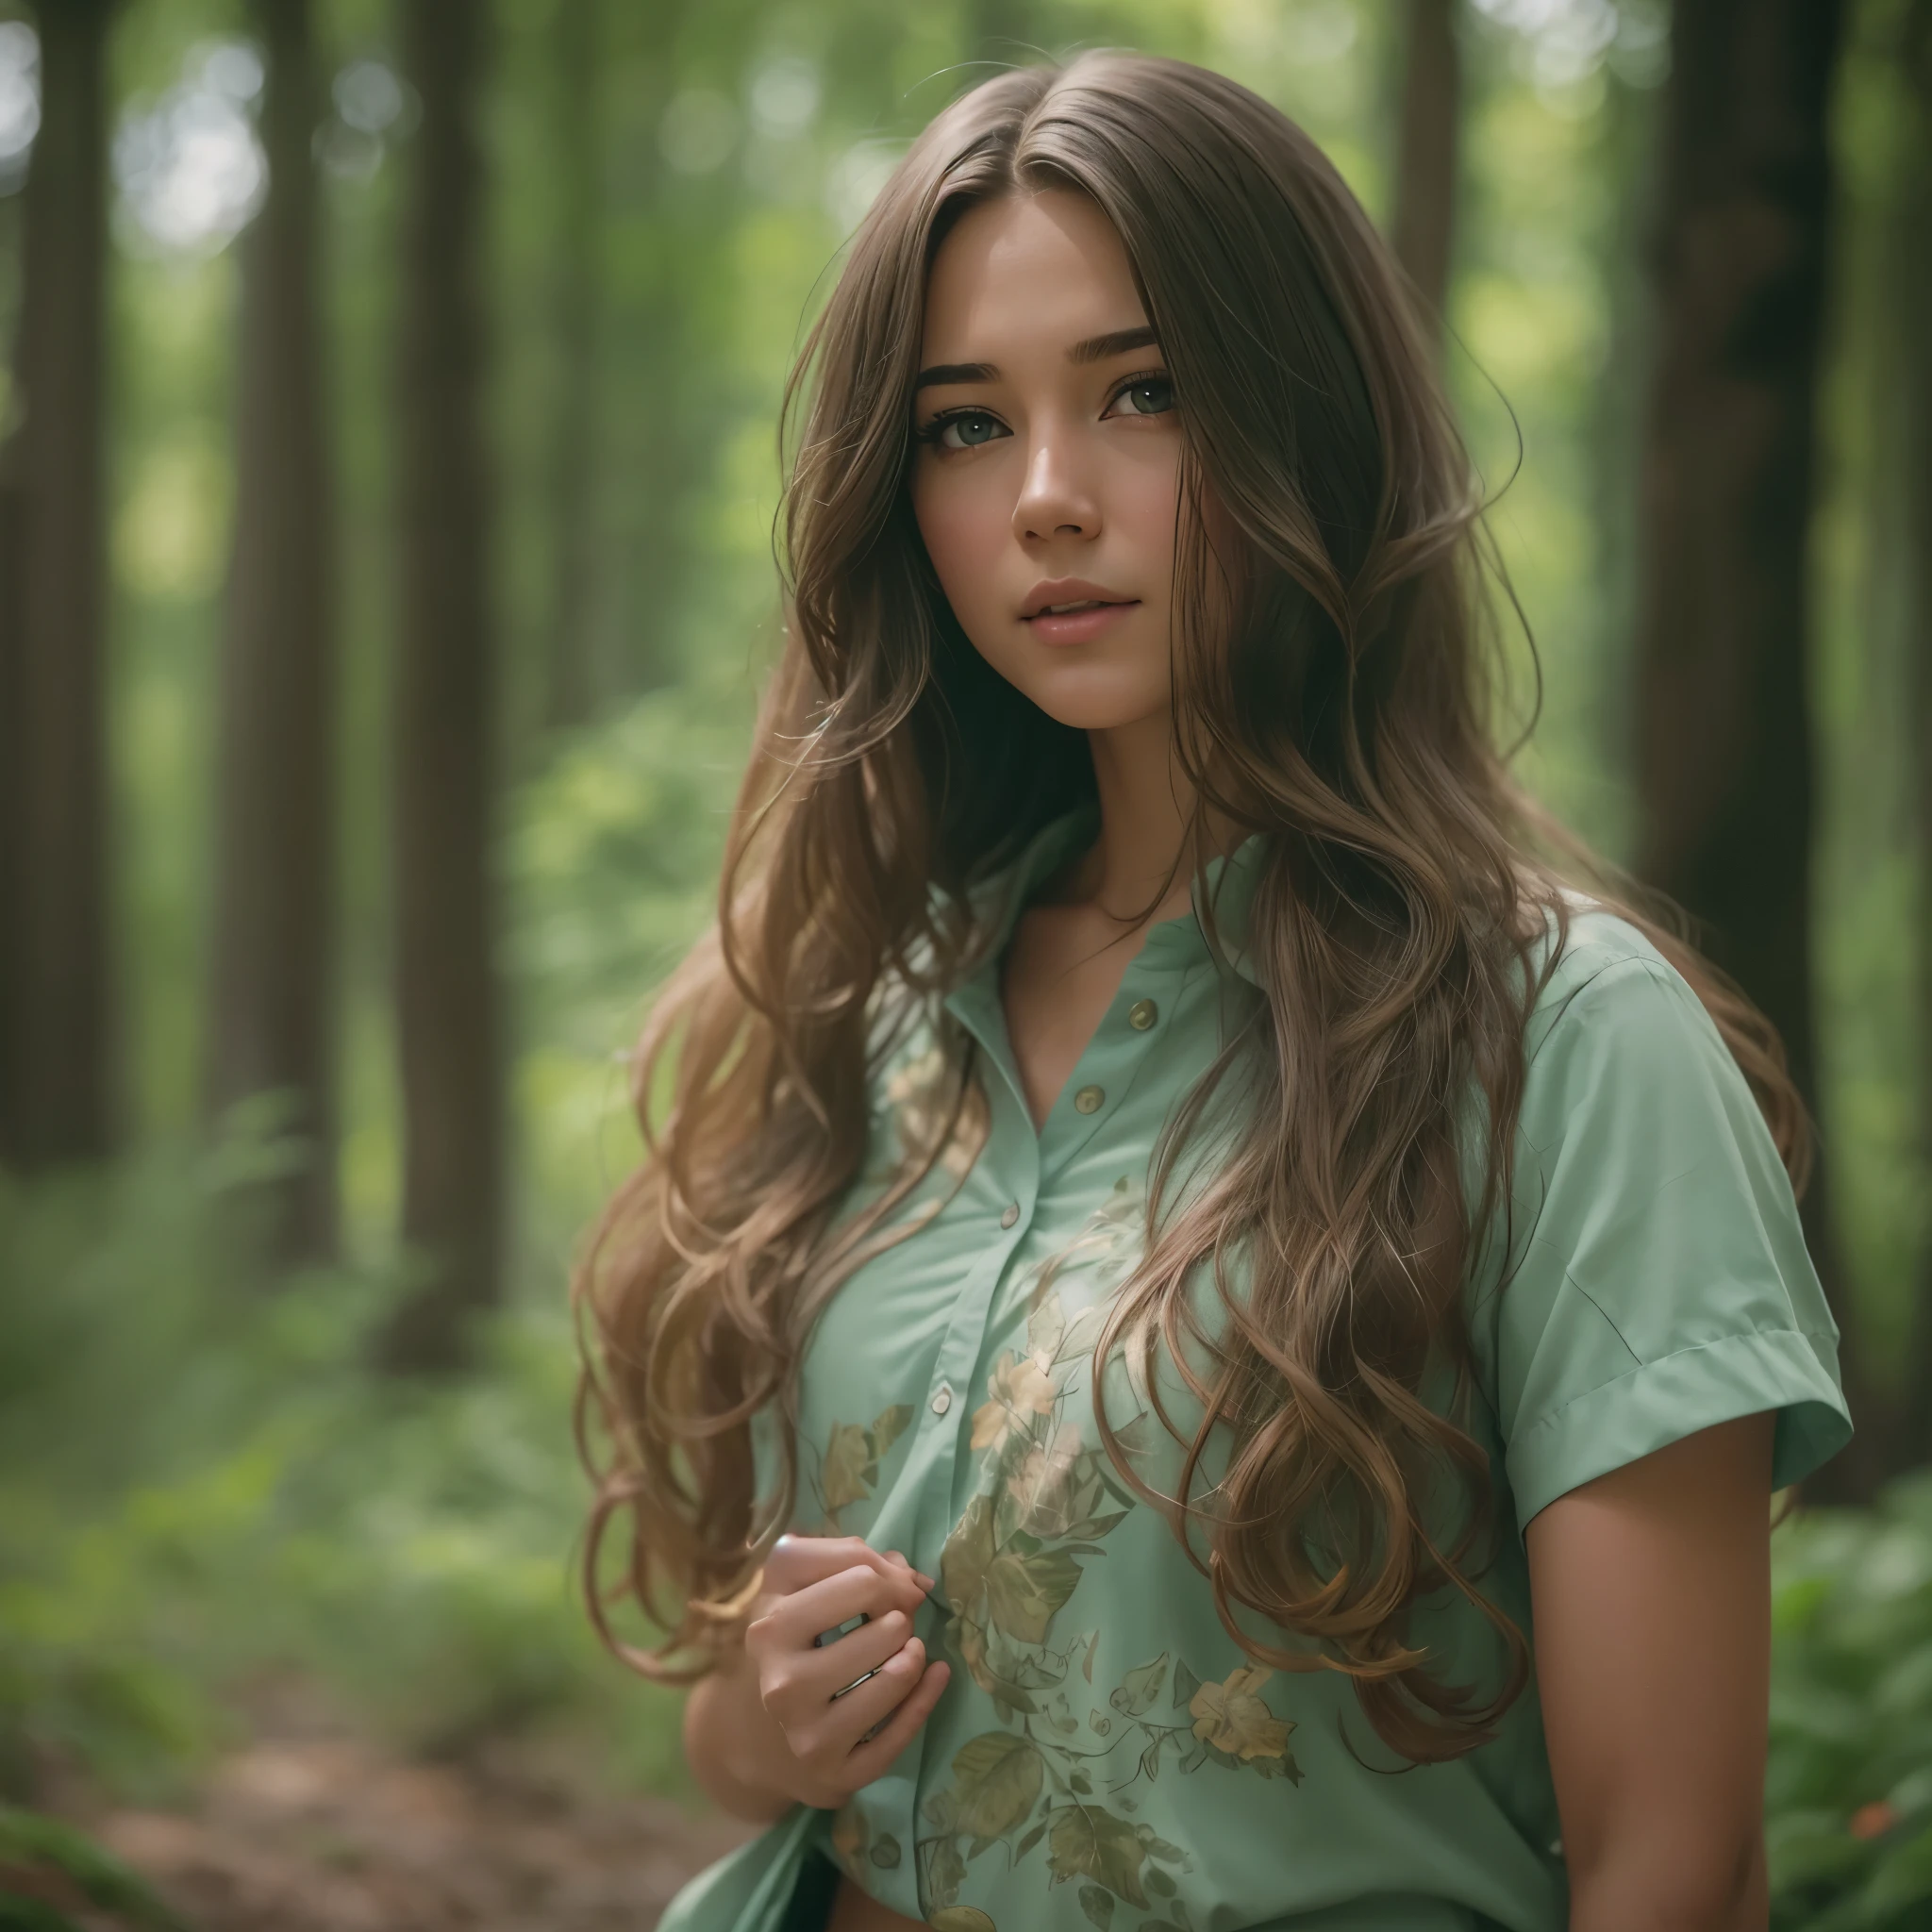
[967, 522]
[1143, 507]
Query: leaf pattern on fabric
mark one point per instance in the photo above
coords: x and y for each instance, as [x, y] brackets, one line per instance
[920, 1094]
[1044, 1508]
[848, 1470]
[1231, 1719]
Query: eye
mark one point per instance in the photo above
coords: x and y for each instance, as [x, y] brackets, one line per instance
[1146, 395]
[964, 429]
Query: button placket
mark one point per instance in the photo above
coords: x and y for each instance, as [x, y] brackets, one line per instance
[1112, 1064]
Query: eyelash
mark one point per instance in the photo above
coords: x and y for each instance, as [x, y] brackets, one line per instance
[929, 433]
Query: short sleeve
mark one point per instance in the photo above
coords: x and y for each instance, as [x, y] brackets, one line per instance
[1659, 1281]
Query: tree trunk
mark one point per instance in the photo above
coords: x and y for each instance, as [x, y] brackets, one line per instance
[1724, 754]
[57, 1037]
[445, 929]
[1912, 336]
[1422, 226]
[576, 146]
[271, 1015]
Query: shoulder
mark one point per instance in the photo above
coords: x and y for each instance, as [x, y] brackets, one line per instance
[1612, 1011]
[1649, 1275]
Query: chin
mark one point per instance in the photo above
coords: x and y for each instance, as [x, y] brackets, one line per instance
[1089, 703]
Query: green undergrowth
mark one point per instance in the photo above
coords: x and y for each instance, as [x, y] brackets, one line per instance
[203, 1490]
[1849, 1798]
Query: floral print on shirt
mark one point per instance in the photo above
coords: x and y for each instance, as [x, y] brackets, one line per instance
[1054, 1775]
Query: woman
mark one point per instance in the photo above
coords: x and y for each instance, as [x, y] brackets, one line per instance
[1199, 1231]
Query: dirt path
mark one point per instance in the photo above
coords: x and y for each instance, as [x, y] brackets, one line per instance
[326, 1834]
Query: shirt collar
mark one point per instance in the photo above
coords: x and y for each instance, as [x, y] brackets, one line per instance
[1228, 882]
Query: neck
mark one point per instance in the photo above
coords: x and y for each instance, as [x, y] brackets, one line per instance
[1146, 801]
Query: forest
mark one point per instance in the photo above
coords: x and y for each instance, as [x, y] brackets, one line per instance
[388, 469]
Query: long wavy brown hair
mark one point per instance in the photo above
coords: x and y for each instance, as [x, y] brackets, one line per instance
[1334, 686]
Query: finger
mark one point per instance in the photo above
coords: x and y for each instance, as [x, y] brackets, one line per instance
[828, 1737]
[795, 1620]
[919, 1576]
[796, 1686]
[799, 1560]
[871, 1759]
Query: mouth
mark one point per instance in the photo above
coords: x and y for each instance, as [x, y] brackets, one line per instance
[1080, 604]
[1071, 597]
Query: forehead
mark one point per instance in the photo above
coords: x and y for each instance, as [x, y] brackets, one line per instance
[1043, 270]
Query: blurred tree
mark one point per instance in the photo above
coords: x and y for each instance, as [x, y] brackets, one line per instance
[1911, 338]
[1422, 226]
[576, 123]
[660, 384]
[448, 1020]
[57, 1037]
[272, 981]
[1725, 751]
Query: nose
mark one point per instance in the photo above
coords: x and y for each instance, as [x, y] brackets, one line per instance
[1055, 498]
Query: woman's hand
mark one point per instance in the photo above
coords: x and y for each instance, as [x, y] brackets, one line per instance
[791, 1721]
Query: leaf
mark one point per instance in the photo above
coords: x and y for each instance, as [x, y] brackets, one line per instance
[942, 1811]
[946, 1872]
[1045, 1328]
[1095, 1527]
[888, 1427]
[1101, 1723]
[1098, 1904]
[1023, 1593]
[996, 1777]
[1150, 1760]
[1081, 1783]
[1087, 1842]
[1185, 1684]
[1160, 1848]
[1087, 1662]
[962, 1919]
[884, 1852]
[1159, 1883]
[1140, 1687]
[967, 1551]
[841, 1477]
[1027, 1843]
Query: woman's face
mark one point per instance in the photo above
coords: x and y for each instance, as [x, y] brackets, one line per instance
[1047, 475]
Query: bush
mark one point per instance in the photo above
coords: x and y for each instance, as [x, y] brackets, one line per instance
[200, 1484]
[1849, 1798]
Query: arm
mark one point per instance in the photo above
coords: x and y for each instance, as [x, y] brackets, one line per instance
[766, 1730]
[1651, 1591]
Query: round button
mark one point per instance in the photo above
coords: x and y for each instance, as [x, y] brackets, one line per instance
[1012, 1214]
[943, 1401]
[1142, 1014]
[1089, 1099]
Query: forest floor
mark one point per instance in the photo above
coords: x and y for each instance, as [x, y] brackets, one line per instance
[310, 1827]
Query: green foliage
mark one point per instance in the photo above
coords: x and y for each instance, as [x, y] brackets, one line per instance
[1849, 1798]
[226, 1493]
[46, 1866]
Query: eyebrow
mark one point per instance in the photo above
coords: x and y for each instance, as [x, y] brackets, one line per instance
[1094, 349]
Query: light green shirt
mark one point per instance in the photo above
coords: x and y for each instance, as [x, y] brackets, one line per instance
[1105, 1754]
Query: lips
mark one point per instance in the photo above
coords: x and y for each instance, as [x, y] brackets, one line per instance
[1065, 596]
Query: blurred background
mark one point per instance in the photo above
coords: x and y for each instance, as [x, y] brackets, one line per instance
[385, 580]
